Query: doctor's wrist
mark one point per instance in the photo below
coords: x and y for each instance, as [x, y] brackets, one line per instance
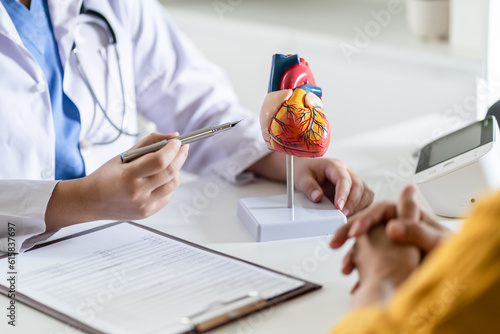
[271, 166]
[69, 204]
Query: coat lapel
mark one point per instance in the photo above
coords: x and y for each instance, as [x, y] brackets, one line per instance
[64, 16]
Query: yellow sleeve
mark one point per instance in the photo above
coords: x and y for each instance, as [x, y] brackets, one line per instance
[456, 290]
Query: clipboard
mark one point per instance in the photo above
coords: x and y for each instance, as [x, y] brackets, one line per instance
[213, 313]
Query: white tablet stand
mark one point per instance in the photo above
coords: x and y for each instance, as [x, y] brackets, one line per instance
[287, 217]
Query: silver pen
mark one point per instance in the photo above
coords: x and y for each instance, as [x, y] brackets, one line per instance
[185, 139]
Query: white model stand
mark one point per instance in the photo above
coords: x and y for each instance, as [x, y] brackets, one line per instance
[279, 217]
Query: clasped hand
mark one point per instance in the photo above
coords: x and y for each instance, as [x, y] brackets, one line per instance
[391, 241]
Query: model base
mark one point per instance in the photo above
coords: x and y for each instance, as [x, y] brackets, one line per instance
[269, 218]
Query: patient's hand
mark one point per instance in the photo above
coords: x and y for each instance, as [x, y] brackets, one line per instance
[390, 238]
[382, 265]
[405, 222]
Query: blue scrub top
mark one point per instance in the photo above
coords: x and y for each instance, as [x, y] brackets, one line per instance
[35, 28]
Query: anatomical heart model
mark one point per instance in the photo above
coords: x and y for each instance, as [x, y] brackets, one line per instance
[292, 118]
[293, 123]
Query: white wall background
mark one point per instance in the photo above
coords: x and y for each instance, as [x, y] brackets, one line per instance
[391, 78]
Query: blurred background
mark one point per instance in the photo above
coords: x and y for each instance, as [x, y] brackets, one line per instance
[379, 62]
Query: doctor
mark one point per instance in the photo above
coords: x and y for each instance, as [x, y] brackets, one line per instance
[74, 79]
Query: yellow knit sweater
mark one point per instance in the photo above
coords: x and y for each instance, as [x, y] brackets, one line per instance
[456, 290]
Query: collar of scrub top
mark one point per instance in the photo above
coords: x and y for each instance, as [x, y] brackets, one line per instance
[112, 41]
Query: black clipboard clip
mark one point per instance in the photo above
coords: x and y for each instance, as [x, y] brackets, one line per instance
[218, 313]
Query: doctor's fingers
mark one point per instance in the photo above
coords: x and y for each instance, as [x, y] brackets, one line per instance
[356, 190]
[154, 162]
[338, 174]
[170, 171]
[157, 199]
[312, 100]
[162, 195]
[366, 198]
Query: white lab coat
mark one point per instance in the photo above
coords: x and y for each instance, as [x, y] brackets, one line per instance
[165, 77]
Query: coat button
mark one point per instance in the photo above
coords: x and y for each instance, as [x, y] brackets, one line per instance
[41, 86]
[47, 174]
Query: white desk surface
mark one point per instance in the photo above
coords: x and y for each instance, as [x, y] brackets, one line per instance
[204, 211]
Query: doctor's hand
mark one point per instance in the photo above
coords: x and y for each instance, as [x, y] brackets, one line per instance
[120, 191]
[404, 221]
[335, 179]
[320, 177]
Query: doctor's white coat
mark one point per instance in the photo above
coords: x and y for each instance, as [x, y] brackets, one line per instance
[165, 78]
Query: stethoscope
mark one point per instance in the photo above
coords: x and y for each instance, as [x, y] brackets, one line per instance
[112, 41]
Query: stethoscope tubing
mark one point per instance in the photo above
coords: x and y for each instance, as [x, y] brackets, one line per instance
[113, 41]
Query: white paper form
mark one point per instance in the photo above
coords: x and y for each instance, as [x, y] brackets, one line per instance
[126, 279]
